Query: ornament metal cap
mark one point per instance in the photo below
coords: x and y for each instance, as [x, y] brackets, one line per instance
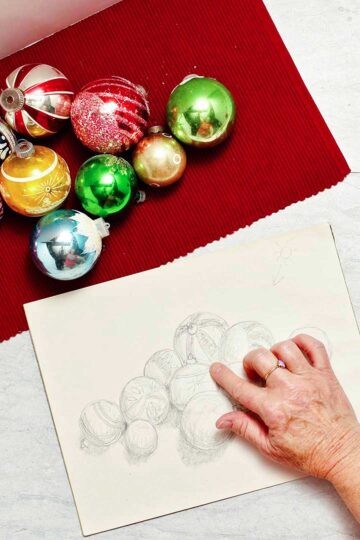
[140, 196]
[102, 227]
[12, 99]
[155, 129]
[24, 148]
[191, 76]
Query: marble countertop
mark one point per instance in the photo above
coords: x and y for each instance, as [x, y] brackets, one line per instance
[35, 496]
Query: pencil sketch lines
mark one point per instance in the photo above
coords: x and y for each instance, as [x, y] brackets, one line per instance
[198, 337]
[283, 257]
[176, 393]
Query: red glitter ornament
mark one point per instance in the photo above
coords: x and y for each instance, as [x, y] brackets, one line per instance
[36, 100]
[110, 115]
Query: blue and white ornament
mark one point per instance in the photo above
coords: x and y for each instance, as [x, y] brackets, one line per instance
[7, 141]
[66, 244]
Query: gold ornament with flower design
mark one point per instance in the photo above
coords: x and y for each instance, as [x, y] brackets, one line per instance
[36, 184]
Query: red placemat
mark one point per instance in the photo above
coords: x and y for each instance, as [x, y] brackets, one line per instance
[281, 150]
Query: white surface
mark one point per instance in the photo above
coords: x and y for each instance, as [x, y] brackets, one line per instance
[35, 497]
[33, 20]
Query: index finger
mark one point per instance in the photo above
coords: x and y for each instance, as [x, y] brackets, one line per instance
[244, 392]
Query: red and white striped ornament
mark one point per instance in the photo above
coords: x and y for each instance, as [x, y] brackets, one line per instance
[36, 100]
[110, 115]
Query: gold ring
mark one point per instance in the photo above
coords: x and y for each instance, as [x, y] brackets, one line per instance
[279, 364]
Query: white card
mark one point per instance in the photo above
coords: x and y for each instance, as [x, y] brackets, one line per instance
[137, 435]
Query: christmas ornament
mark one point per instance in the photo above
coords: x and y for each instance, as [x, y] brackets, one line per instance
[197, 339]
[316, 333]
[105, 185]
[144, 399]
[199, 418]
[101, 423]
[243, 337]
[201, 111]
[188, 381]
[34, 179]
[110, 115]
[159, 160]
[36, 100]
[141, 438]
[7, 141]
[66, 244]
[162, 366]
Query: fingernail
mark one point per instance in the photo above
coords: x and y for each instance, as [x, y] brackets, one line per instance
[216, 368]
[224, 424]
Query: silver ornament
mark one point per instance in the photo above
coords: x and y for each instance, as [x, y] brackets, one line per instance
[66, 244]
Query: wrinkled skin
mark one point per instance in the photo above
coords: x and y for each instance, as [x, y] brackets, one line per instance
[301, 417]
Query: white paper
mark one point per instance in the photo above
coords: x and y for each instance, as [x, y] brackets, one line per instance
[90, 343]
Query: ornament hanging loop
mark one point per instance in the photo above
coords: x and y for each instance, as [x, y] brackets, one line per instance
[12, 99]
[102, 226]
[140, 196]
[191, 76]
[24, 148]
[155, 129]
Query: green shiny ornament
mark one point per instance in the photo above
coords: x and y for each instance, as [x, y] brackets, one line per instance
[201, 111]
[105, 185]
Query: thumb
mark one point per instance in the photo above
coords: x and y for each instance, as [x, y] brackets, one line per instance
[247, 427]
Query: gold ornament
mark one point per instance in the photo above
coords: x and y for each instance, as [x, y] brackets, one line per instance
[34, 180]
[159, 160]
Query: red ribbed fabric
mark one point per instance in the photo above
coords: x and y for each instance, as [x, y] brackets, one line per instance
[280, 152]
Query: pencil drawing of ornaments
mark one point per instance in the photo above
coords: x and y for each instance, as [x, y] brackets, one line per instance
[101, 424]
[188, 381]
[162, 365]
[144, 398]
[141, 438]
[316, 333]
[243, 337]
[198, 337]
[199, 417]
[179, 382]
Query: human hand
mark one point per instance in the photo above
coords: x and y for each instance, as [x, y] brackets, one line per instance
[302, 416]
